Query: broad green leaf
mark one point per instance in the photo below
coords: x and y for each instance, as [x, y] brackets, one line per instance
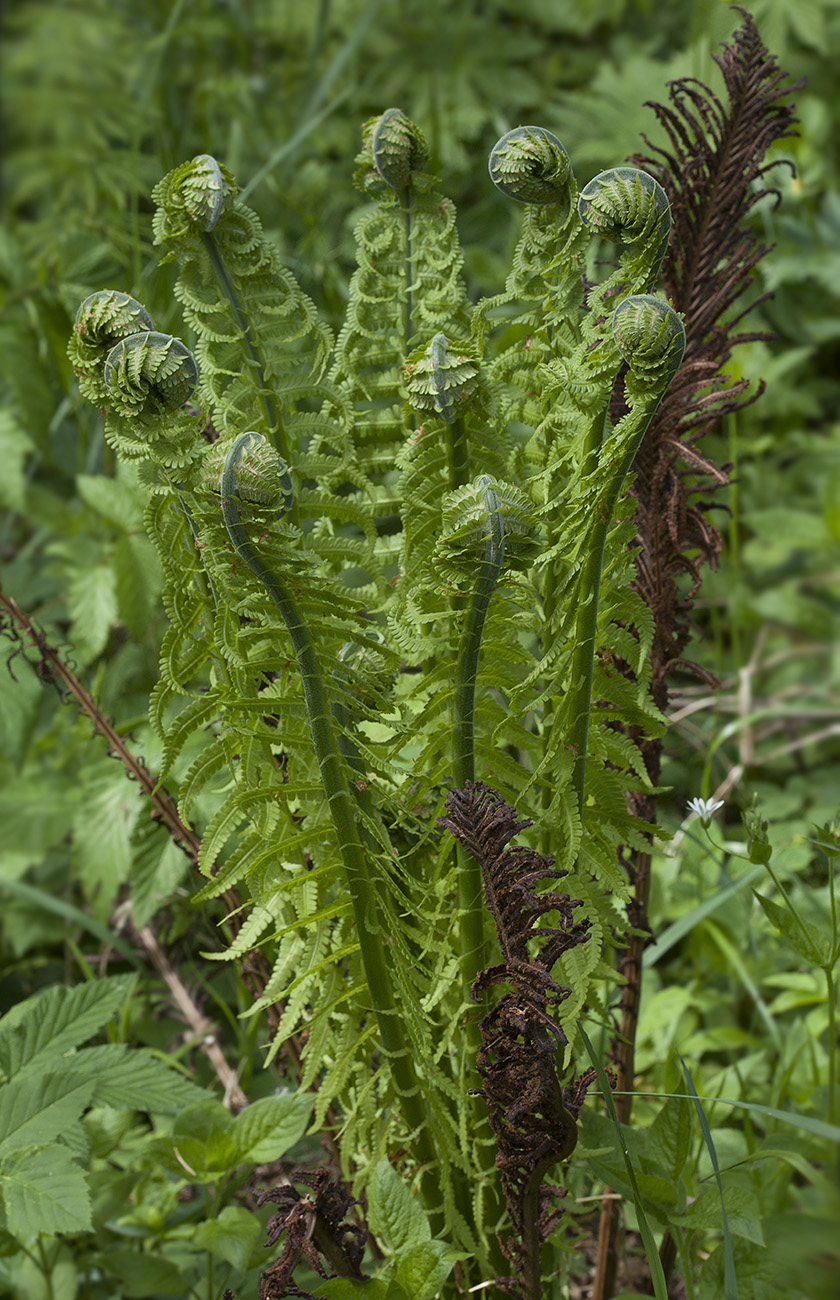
[38, 1108]
[348, 1288]
[134, 1077]
[395, 1217]
[807, 941]
[157, 868]
[139, 579]
[44, 1026]
[20, 696]
[102, 827]
[34, 819]
[232, 1236]
[421, 1271]
[119, 500]
[141, 1274]
[44, 1190]
[15, 446]
[667, 1139]
[92, 603]
[743, 1213]
[267, 1128]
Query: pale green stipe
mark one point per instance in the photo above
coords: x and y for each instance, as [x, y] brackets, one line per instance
[463, 731]
[342, 811]
[586, 622]
[271, 411]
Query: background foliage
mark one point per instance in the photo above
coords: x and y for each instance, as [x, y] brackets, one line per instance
[100, 101]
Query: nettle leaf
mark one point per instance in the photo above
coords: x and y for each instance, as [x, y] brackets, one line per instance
[135, 1077]
[44, 1191]
[92, 604]
[268, 1128]
[395, 1217]
[38, 1109]
[667, 1138]
[107, 810]
[44, 1026]
[349, 1288]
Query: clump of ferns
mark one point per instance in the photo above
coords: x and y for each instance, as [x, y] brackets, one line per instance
[293, 595]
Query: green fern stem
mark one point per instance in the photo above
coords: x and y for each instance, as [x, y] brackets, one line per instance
[650, 336]
[408, 307]
[463, 731]
[274, 421]
[342, 809]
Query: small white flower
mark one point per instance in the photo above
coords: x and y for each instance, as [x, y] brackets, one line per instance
[704, 809]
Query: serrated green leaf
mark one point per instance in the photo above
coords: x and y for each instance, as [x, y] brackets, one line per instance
[44, 1026]
[138, 583]
[743, 1213]
[395, 1217]
[119, 500]
[44, 1190]
[15, 446]
[268, 1128]
[109, 805]
[232, 1236]
[667, 1139]
[157, 868]
[349, 1288]
[35, 1109]
[32, 821]
[422, 1271]
[92, 604]
[137, 1078]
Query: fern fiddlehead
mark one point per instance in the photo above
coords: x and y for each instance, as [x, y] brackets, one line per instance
[651, 338]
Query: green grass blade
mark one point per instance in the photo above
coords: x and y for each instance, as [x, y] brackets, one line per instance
[47, 903]
[657, 1276]
[673, 933]
[831, 1132]
[730, 1282]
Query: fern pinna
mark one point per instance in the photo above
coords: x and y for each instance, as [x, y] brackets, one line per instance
[395, 572]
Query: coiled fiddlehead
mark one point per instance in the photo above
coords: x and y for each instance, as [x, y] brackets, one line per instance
[651, 338]
[393, 148]
[102, 320]
[440, 379]
[627, 206]
[530, 164]
[148, 378]
[149, 375]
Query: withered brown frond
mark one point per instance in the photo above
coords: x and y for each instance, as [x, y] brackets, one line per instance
[314, 1226]
[709, 171]
[533, 1119]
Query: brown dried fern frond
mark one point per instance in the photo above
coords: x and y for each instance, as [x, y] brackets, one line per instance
[711, 169]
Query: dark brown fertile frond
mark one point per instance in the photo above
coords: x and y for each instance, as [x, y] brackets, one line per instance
[708, 169]
[533, 1119]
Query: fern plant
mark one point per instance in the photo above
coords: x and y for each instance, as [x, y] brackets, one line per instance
[397, 564]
